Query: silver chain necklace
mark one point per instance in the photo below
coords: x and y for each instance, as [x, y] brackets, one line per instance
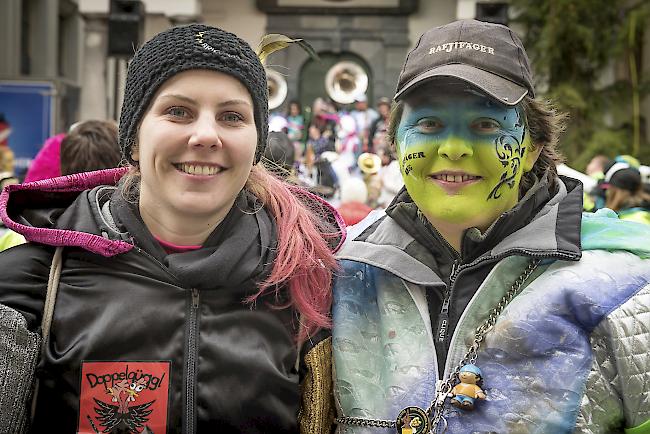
[434, 414]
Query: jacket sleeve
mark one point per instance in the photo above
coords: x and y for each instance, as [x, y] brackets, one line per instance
[617, 394]
[317, 401]
[22, 289]
[23, 284]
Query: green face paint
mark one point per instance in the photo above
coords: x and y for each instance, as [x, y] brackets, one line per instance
[461, 154]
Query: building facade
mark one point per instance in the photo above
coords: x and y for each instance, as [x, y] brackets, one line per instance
[65, 43]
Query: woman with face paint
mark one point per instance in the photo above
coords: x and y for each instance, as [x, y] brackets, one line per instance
[194, 288]
[482, 300]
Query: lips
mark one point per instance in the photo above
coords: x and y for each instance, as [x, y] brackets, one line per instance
[199, 169]
[454, 177]
[453, 181]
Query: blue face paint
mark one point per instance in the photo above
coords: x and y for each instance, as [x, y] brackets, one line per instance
[460, 150]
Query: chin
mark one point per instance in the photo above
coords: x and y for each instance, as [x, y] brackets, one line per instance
[201, 206]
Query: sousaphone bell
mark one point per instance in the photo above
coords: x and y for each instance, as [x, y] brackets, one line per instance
[369, 163]
[277, 87]
[346, 80]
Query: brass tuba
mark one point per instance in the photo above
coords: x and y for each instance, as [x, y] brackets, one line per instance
[346, 80]
[277, 86]
[369, 163]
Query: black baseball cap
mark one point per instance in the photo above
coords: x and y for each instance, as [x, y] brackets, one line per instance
[486, 55]
[623, 176]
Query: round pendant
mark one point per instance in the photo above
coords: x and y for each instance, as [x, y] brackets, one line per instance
[413, 420]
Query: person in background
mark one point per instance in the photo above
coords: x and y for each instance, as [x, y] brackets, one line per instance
[483, 299]
[5, 131]
[594, 197]
[193, 293]
[370, 165]
[47, 162]
[596, 166]
[645, 177]
[353, 201]
[325, 118]
[296, 127]
[363, 116]
[8, 238]
[347, 142]
[625, 194]
[6, 166]
[277, 122]
[90, 145]
[391, 178]
[378, 128]
[318, 143]
[315, 146]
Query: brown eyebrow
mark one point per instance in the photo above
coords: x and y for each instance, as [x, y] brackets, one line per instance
[221, 104]
[234, 102]
[180, 97]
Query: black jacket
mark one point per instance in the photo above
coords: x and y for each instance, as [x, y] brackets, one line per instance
[140, 338]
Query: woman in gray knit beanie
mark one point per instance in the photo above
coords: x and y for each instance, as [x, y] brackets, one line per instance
[194, 285]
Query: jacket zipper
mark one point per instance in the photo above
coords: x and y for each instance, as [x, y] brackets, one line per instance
[443, 318]
[190, 369]
[556, 255]
[192, 349]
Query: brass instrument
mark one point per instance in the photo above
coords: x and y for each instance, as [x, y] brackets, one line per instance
[345, 81]
[277, 86]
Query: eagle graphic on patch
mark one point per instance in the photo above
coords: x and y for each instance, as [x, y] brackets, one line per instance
[124, 397]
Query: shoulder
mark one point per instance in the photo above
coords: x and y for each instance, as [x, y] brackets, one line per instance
[589, 290]
[25, 270]
[24, 258]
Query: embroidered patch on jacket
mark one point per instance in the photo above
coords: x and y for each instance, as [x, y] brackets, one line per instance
[124, 397]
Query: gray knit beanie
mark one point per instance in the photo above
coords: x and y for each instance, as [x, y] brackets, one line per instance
[190, 47]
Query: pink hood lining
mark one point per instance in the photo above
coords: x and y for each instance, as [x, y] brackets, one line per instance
[60, 237]
[95, 243]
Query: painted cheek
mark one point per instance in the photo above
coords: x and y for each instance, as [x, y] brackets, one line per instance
[510, 149]
[414, 152]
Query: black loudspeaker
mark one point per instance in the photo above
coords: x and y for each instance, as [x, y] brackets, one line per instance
[492, 13]
[125, 27]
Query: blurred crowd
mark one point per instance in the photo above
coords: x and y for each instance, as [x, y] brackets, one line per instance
[339, 152]
[621, 184]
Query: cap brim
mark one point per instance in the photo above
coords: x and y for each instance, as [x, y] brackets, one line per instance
[504, 90]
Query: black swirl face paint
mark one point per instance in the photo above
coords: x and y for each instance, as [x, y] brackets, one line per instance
[510, 151]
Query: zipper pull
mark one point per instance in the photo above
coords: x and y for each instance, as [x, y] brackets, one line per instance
[443, 320]
[454, 270]
[195, 298]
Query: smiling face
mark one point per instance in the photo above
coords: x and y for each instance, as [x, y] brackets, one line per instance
[468, 377]
[462, 154]
[195, 147]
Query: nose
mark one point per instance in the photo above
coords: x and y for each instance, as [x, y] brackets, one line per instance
[205, 133]
[455, 148]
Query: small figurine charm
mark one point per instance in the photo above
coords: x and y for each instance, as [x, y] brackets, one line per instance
[464, 393]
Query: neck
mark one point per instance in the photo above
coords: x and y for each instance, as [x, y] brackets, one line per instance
[179, 228]
[452, 233]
